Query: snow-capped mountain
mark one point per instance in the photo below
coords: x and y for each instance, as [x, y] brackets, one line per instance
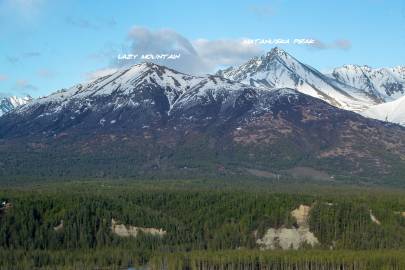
[393, 111]
[9, 103]
[142, 95]
[149, 118]
[278, 69]
[386, 84]
[122, 88]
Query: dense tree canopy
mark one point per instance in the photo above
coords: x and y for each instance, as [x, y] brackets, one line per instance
[71, 225]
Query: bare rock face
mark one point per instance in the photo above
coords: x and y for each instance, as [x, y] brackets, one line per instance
[294, 238]
[301, 214]
[127, 230]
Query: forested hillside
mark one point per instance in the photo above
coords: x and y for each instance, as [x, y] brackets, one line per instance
[72, 225]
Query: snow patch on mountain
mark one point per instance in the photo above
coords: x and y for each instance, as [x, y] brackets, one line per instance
[124, 85]
[393, 111]
[386, 84]
[10, 103]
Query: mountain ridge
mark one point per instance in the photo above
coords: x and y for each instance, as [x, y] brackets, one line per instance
[149, 120]
[277, 69]
[387, 84]
[8, 103]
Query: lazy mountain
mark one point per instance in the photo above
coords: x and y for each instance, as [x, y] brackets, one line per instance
[148, 121]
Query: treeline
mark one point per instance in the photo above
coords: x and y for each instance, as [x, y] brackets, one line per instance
[280, 260]
[106, 258]
[115, 258]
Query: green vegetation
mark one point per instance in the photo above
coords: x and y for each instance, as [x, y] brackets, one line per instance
[206, 223]
[131, 156]
[281, 260]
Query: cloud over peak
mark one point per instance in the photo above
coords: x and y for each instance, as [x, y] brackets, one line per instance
[341, 44]
[198, 56]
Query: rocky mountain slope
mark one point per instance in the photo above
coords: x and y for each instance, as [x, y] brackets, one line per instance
[151, 121]
[278, 69]
[9, 103]
[386, 84]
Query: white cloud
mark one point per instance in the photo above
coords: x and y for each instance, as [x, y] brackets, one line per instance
[196, 57]
[26, 9]
[225, 51]
[261, 11]
[23, 86]
[46, 73]
[99, 73]
[342, 44]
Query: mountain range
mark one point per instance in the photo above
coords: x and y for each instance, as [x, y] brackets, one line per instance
[350, 87]
[9, 103]
[271, 116]
[386, 84]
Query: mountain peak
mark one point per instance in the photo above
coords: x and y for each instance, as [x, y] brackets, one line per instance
[277, 51]
[146, 65]
[147, 69]
[278, 69]
[143, 67]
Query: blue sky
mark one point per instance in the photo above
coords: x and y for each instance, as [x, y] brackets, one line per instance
[48, 45]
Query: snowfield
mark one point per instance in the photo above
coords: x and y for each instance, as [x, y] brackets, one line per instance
[393, 111]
